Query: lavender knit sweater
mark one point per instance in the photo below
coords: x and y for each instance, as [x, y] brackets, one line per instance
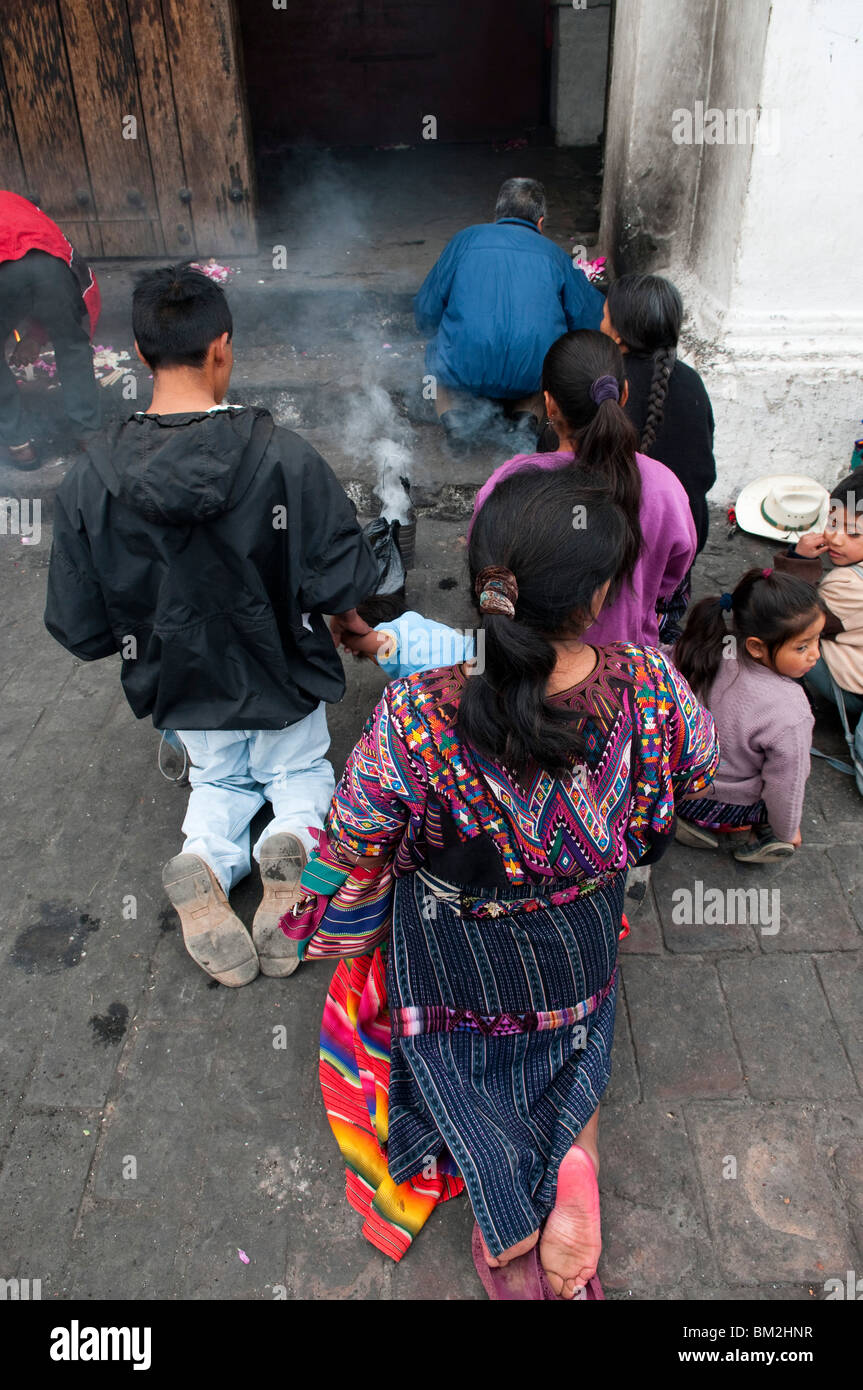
[765, 726]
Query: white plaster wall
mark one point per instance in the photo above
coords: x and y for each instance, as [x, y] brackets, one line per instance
[800, 251]
[777, 301]
[772, 417]
[734, 82]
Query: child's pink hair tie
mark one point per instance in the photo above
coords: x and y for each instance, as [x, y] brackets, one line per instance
[765, 574]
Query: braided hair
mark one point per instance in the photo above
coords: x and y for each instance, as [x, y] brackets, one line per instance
[663, 361]
[647, 312]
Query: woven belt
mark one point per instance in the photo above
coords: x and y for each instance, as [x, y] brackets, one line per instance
[467, 904]
[441, 1018]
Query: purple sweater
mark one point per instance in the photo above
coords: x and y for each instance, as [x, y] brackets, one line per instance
[668, 553]
[765, 727]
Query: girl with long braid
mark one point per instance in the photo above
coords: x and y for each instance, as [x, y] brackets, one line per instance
[667, 402]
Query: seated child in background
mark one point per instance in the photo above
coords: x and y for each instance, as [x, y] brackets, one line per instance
[748, 677]
[841, 590]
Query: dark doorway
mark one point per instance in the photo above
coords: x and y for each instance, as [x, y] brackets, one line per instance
[367, 72]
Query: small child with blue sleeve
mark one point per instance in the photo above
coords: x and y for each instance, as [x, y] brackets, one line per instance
[410, 643]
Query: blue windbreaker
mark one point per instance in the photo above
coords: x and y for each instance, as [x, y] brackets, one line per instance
[498, 297]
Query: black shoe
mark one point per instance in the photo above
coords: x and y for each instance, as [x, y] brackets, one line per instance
[24, 456]
[459, 430]
[525, 426]
[764, 849]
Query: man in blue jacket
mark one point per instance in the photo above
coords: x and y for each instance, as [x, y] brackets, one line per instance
[496, 300]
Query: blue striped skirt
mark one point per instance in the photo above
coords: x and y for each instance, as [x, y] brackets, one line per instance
[501, 1044]
[722, 815]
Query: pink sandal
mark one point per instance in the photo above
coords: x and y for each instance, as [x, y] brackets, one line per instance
[524, 1278]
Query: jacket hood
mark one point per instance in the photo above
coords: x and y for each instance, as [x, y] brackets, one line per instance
[175, 469]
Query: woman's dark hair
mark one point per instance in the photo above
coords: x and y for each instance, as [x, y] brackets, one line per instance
[849, 491]
[774, 607]
[605, 438]
[562, 535]
[177, 312]
[647, 312]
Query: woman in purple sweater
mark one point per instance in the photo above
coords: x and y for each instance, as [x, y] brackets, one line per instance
[585, 389]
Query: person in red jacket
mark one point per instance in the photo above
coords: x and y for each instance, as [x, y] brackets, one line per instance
[47, 292]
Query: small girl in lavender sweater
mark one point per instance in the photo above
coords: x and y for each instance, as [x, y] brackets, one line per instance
[748, 675]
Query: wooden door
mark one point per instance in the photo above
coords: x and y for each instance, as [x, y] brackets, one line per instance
[365, 72]
[125, 120]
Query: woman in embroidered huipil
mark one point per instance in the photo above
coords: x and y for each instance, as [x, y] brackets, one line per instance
[506, 799]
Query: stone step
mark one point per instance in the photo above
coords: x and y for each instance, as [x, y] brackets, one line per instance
[301, 388]
[281, 312]
[441, 485]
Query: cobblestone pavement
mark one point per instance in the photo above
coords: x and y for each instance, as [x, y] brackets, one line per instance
[730, 1135]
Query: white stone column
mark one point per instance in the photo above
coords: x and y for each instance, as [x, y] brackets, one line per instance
[660, 60]
[764, 216]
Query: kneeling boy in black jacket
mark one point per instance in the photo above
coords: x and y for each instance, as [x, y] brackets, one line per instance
[205, 544]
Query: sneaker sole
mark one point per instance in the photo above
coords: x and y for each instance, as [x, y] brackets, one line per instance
[214, 936]
[283, 859]
[687, 834]
[766, 855]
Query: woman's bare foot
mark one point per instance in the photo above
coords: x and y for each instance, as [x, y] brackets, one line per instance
[571, 1242]
[497, 1261]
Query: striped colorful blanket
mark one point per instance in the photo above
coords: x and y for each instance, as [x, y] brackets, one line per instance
[354, 1074]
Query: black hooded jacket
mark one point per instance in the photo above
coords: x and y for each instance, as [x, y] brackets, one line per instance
[194, 544]
[684, 440]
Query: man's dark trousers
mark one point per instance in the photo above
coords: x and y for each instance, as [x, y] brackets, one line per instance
[42, 287]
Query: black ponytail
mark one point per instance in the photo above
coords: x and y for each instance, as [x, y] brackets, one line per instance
[646, 311]
[562, 536]
[605, 438]
[767, 604]
[699, 648]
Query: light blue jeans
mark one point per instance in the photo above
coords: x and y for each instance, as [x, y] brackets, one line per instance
[233, 772]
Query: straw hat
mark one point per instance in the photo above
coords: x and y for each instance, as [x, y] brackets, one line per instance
[782, 506]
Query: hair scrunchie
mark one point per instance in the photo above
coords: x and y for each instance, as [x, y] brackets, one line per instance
[605, 388]
[726, 602]
[497, 590]
[765, 574]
